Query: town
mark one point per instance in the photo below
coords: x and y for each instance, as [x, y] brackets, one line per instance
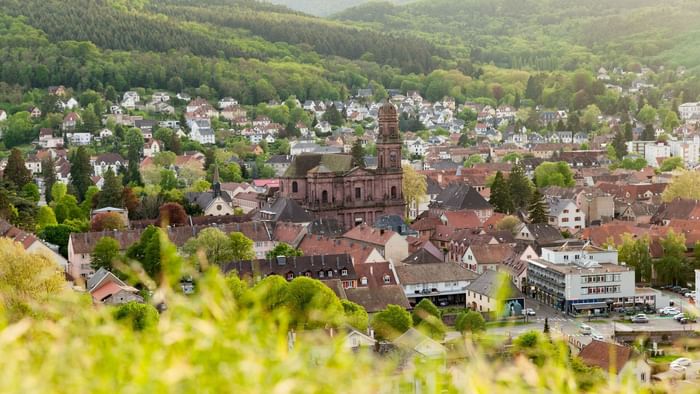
[473, 216]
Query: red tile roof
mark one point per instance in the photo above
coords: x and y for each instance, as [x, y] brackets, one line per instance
[319, 245]
[368, 234]
[462, 219]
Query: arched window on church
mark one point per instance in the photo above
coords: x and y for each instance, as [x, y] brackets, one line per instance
[295, 187]
[393, 159]
[324, 196]
[393, 192]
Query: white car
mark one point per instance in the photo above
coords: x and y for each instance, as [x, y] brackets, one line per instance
[669, 310]
[690, 294]
[678, 368]
[678, 316]
[598, 337]
[683, 362]
[529, 312]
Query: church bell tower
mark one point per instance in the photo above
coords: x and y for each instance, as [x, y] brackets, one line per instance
[388, 140]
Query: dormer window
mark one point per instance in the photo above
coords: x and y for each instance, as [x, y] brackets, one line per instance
[330, 274]
[290, 275]
[307, 274]
[344, 272]
[363, 281]
[321, 274]
[387, 279]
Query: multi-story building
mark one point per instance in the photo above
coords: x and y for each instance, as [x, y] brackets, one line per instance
[687, 150]
[654, 154]
[565, 214]
[580, 278]
[688, 110]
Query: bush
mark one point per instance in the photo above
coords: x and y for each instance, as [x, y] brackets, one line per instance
[141, 316]
[470, 321]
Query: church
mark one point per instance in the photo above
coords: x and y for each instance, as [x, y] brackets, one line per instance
[330, 187]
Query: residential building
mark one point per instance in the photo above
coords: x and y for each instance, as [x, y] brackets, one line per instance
[107, 161]
[493, 291]
[79, 139]
[459, 197]
[107, 288]
[618, 359]
[689, 110]
[201, 131]
[565, 214]
[214, 202]
[388, 243]
[687, 150]
[482, 257]
[580, 278]
[438, 282]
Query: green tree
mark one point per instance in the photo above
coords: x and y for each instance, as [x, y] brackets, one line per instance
[67, 208]
[283, 249]
[333, 116]
[242, 246]
[111, 194]
[216, 246]
[45, 218]
[427, 318]
[648, 134]
[647, 114]
[520, 186]
[671, 121]
[635, 253]
[684, 185]
[537, 209]
[168, 180]
[500, 195]
[355, 315]
[141, 317]
[590, 116]
[30, 191]
[620, 145]
[80, 172]
[391, 322]
[104, 253]
[16, 171]
[273, 293]
[48, 173]
[472, 160]
[18, 130]
[58, 235]
[670, 164]
[554, 174]
[414, 187]
[358, 154]
[671, 268]
[470, 321]
[313, 304]
[107, 221]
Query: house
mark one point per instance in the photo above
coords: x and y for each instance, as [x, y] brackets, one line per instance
[79, 139]
[106, 133]
[107, 161]
[107, 288]
[47, 140]
[201, 131]
[227, 102]
[482, 257]
[361, 254]
[247, 201]
[152, 147]
[214, 202]
[438, 282]
[390, 244]
[57, 90]
[579, 278]
[71, 104]
[32, 244]
[377, 287]
[35, 112]
[414, 343]
[285, 210]
[280, 163]
[33, 164]
[130, 100]
[326, 267]
[537, 234]
[617, 359]
[565, 214]
[70, 121]
[161, 97]
[459, 197]
[492, 292]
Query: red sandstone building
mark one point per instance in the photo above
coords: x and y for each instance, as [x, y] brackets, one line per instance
[330, 187]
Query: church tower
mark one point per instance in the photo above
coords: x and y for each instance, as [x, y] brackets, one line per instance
[388, 140]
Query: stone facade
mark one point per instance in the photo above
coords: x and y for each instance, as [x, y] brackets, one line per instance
[331, 187]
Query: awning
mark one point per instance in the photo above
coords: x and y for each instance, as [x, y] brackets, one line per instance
[589, 306]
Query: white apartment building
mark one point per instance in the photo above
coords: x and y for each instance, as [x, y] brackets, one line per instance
[580, 279]
[688, 110]
[565, 214]
[654, 152]
[416, 147]
[687, 150]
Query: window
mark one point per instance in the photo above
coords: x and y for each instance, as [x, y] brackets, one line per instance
[564, 220]
[577, 218]
[566, 257]
[576, 257]
[358, 193]
[324, 196]
[393, 192]
[343, 272]
[566, 211]
[330, 274]
[290, 275]
[387, 279]
[219, 207]
[321, 274]
[363, 281]
[307, 274]
[295, 187]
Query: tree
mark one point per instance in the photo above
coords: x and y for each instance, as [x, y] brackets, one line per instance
[283, 249]
[500, 195]
[426, 318]
[28, 280]
[107, 221]
[635, 253]
[214, 244]
[168, 180]
[671, 268]
[333, 116]
[590, 116]
[30, 191]
[472, 160]
[554, 174]
[164, 159]
[470, 321]
[48, 173]
[414, 187]
[313, 304]
[423, 310]
[355, 315]
[111, 194]
[67, 208]
[45, 218]
[80, 172]
[620, 145]
[134, 141]
[58, 190]
[671, 121]
[273, 293]
[648, 134]
[58, 235]
[537, 209]
[358, 154]
[104, 253]
[16, 171]
[520, 186]
[140, 316]
[242, 245]
[172, 214]
[670, 164]
[18, 130]
[647, 115]
[684, 185]
[391, 322]
[508, 223]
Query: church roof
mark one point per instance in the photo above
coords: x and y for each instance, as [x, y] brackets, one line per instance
[459, 196]
[304, 163]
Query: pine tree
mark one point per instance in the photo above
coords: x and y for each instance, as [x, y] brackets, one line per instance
[48, 172]
[358, 154]
[500, 195]
[538, 208]
[628, 132]
[520, 186]
[133, 173]
[648, 134]
[620, 146]
[80, 172]
[111, 194]
[16, 171]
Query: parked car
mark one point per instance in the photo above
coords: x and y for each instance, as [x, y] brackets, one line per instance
[597, 337]
[529, 312]
[676, 289]
[683, 290]
[678, 316]
[669, 310]
[678, 368]
[690, 294]
[683, 361]
[640, 318]
[585, 329]
[687, 320]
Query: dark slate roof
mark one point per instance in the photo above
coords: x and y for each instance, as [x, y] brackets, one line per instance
[433, 186]
[328, 227]
[489, 284]
[422, 256]
[286, 210]
[411, 274]
[459, 196]
[203, 199]
[280, 159]
[378, 298]
[299, 266]
[394, 223]
[304, 163]
[542, 232]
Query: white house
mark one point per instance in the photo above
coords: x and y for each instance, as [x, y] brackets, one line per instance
[654, 152]
[416, 147]
[435, 281]
[79, 139]
[689, 110]
[201, 131]
[107, 161]
[3, 115]
[227, 102]
[564, 213]
[130, 99]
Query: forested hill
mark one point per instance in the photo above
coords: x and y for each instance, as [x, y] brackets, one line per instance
[325, 7]
[549, 34]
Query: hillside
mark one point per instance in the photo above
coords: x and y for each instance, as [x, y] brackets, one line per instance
[547, 34]
[325, 7]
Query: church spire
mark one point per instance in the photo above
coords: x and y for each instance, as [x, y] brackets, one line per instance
[216, 184]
